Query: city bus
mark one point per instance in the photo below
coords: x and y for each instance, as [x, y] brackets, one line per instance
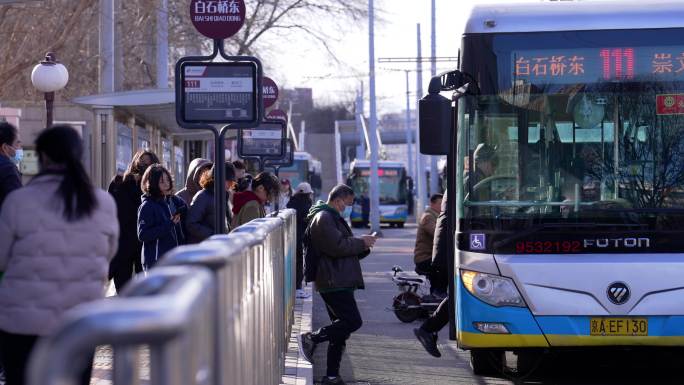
[304, 169]
[393, 191]
[569, 233]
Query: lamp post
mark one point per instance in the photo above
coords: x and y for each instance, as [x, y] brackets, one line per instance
[49, 76]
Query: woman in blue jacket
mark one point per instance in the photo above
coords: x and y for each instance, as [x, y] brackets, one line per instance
[159, 216]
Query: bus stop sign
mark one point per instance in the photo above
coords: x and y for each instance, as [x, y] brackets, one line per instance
[217, 19]
[270, 92]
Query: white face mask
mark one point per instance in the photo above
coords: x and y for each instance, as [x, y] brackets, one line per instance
[347, 212]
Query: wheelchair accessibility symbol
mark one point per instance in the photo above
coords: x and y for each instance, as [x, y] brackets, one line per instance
[478, 241]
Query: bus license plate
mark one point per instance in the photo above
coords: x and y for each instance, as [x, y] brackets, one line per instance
[619, 326]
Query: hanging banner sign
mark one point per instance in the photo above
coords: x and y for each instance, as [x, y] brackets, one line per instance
[277, 115]
[270, 92]
[217, 19]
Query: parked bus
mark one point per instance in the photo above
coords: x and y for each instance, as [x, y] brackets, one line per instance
[393, 191]
[304, 169]
[567, 170]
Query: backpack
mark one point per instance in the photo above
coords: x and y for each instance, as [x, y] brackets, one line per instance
[311, 256]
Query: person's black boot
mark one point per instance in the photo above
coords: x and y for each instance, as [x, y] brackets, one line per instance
[332, 381]
[306, 346]
[428, 340]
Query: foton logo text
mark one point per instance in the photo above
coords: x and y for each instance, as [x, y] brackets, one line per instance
[618, 243]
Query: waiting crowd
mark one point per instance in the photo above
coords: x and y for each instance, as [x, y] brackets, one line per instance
[61, 238]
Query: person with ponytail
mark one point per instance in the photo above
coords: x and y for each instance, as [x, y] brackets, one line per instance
[57, 235]
[126, 191]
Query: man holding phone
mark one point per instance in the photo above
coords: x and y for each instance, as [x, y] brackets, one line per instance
[338, 274]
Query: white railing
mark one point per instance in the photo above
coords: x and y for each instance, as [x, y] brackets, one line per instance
[215, 313]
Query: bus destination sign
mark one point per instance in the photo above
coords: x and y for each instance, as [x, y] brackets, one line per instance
[218, 92]
[588, 65]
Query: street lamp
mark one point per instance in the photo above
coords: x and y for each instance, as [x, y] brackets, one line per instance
[49, 76]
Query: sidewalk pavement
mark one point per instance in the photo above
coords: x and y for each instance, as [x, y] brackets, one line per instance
[298, 371]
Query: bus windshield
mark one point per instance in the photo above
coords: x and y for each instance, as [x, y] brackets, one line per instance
[297, 173]
[391, 191]
[573, 127]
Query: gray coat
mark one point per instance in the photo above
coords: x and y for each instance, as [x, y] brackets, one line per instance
[340, 252]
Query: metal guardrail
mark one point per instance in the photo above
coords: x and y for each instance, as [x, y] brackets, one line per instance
[219, 312]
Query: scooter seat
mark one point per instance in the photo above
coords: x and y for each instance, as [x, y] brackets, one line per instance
[405, 279]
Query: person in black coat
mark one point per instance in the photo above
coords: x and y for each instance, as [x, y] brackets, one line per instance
[10, 154]
[126, 192]
[159, 216]
[202, 213]
[301, 202]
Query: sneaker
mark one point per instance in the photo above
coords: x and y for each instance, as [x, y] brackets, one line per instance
[302, 294]
[306, 346]
[428, 340]
[332, 380]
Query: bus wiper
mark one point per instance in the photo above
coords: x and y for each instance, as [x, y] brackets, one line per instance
[545, 226]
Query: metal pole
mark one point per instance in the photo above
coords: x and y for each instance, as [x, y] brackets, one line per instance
[338, 153]
[106, 46]
[49, 102]
[409, 129]
[374, 182]
[360, 150]
[422, 187]
[163, 45]
[434, 172]
[302, 136]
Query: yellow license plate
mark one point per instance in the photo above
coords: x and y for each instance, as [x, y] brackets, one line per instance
[618, 326]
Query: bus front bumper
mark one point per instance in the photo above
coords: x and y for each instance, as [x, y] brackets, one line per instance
[528, 331]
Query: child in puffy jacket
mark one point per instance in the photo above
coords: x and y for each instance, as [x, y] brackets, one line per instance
[159, 216]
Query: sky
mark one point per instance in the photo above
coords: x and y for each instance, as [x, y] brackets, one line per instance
[395, 36]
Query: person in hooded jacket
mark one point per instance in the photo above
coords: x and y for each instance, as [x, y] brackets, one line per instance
[338, 275]
[57, 235]
[126, 192]
[249, 205]
[301, 202]
[159, 216]
[202, 212]
[195, 169]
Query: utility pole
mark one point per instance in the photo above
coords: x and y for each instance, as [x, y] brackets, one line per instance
[163, 45]
[374, 182]
[420, 164]
[409, 129]
[360, 150]
[434, 172]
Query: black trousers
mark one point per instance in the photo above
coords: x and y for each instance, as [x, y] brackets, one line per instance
[15, 351]
[439, 319]
[122, 269]
[346, 319]
[299, 273]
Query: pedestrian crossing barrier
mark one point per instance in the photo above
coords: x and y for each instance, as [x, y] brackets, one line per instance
[227, 303]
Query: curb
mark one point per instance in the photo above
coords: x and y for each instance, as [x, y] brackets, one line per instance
[298, 371]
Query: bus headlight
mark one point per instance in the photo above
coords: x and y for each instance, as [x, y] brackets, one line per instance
[492, 289]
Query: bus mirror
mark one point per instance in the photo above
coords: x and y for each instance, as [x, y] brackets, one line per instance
[435, 122]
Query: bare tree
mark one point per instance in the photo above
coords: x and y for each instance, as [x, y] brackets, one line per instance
[70, 29]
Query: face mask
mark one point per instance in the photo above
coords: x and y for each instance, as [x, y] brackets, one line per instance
[347, 212]
[18, 155]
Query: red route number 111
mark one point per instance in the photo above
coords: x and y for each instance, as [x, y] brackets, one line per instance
[618, 63]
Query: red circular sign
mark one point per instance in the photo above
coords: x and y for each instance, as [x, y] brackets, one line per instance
[270, 92]
[217, 19]
[277, 115]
